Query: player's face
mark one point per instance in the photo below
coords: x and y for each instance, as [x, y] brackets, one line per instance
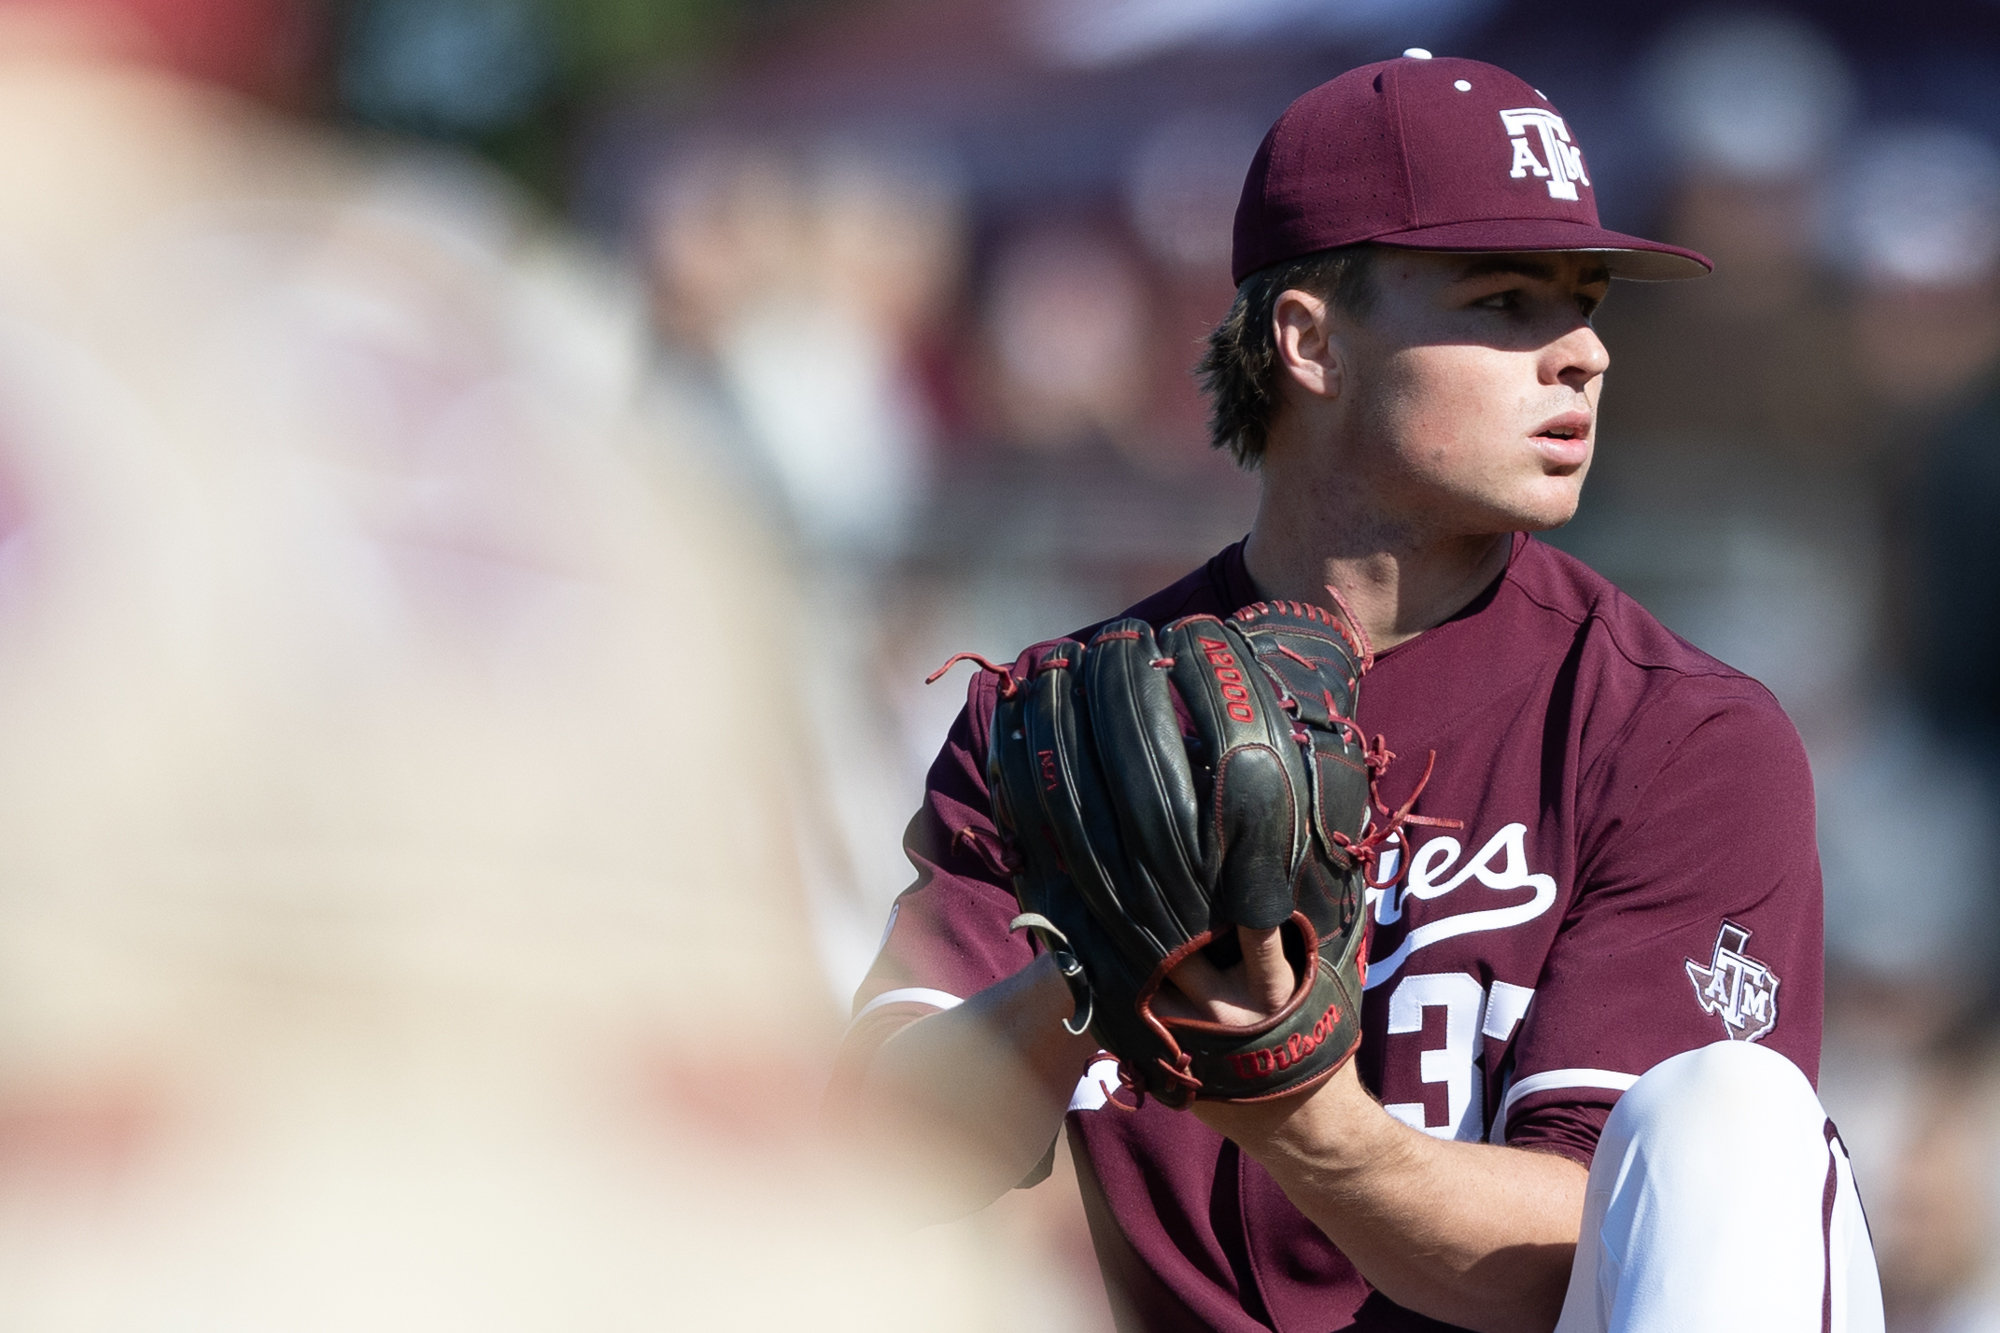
[1472, 386]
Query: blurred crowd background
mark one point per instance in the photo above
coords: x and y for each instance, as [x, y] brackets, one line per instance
[482, 483]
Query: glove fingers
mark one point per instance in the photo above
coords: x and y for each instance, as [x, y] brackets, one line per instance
[1253, 830]
[1016, 810]
[1311, 661]
[1151, 785]
[1115, 967]
[1076, 809]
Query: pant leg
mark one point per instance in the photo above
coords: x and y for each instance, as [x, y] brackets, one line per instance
[1720, 1198]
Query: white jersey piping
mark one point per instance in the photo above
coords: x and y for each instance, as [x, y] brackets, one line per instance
[1557, 1078]
[937, 999]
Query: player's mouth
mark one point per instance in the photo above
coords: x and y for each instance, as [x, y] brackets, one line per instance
[1565, 439]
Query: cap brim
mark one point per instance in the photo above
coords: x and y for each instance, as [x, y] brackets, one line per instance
[1632, 257]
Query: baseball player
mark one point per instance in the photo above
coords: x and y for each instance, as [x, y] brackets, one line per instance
[1592, 998]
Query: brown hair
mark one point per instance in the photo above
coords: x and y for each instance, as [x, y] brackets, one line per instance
[1239, 370]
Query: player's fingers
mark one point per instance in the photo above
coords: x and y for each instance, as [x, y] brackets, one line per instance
[1249, 992]
[1267, 972]
[1201, 982]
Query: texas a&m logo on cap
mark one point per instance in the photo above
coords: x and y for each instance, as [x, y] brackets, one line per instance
[1403, 153]
[1738, 989]
[1561, 162]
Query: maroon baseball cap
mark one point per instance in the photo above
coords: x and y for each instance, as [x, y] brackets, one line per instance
[1429, 154]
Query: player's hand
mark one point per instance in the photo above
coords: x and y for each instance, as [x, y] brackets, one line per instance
[1118, 794]
[1247, 993]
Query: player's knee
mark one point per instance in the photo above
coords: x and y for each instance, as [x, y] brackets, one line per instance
[1733, 1099]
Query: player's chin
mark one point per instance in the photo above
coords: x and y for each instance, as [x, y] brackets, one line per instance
[1548, 503]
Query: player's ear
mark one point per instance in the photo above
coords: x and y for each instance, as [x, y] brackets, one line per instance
[1309, 354]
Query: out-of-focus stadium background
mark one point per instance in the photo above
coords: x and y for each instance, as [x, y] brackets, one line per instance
[429, 428]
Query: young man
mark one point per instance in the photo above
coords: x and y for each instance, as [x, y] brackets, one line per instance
[1633, 889]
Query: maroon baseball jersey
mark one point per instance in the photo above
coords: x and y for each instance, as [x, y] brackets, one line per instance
[1635, 876]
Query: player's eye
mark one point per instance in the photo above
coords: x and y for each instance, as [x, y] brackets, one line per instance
[1509, 299]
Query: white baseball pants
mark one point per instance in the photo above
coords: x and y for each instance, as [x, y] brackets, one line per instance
[1720, 1198]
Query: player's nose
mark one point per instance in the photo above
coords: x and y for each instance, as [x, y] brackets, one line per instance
[1576, 358]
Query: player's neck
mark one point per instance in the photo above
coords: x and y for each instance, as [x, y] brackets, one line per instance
[1396, 585]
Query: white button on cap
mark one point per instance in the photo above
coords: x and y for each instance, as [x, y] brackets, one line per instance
[1417, 53]
[1462, 86]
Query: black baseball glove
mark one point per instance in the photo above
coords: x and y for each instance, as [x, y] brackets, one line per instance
[1155, 793]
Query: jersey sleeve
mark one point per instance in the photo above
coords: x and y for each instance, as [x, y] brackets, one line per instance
[1697, 918]
[947, 936]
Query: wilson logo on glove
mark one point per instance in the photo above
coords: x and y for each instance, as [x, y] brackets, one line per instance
[1049, 780]
[1272, 1059]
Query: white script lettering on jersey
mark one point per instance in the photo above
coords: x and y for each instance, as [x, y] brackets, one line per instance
[1501, 866]
[1561, 163]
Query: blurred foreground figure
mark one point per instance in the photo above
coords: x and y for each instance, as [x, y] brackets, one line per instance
[390, 748]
